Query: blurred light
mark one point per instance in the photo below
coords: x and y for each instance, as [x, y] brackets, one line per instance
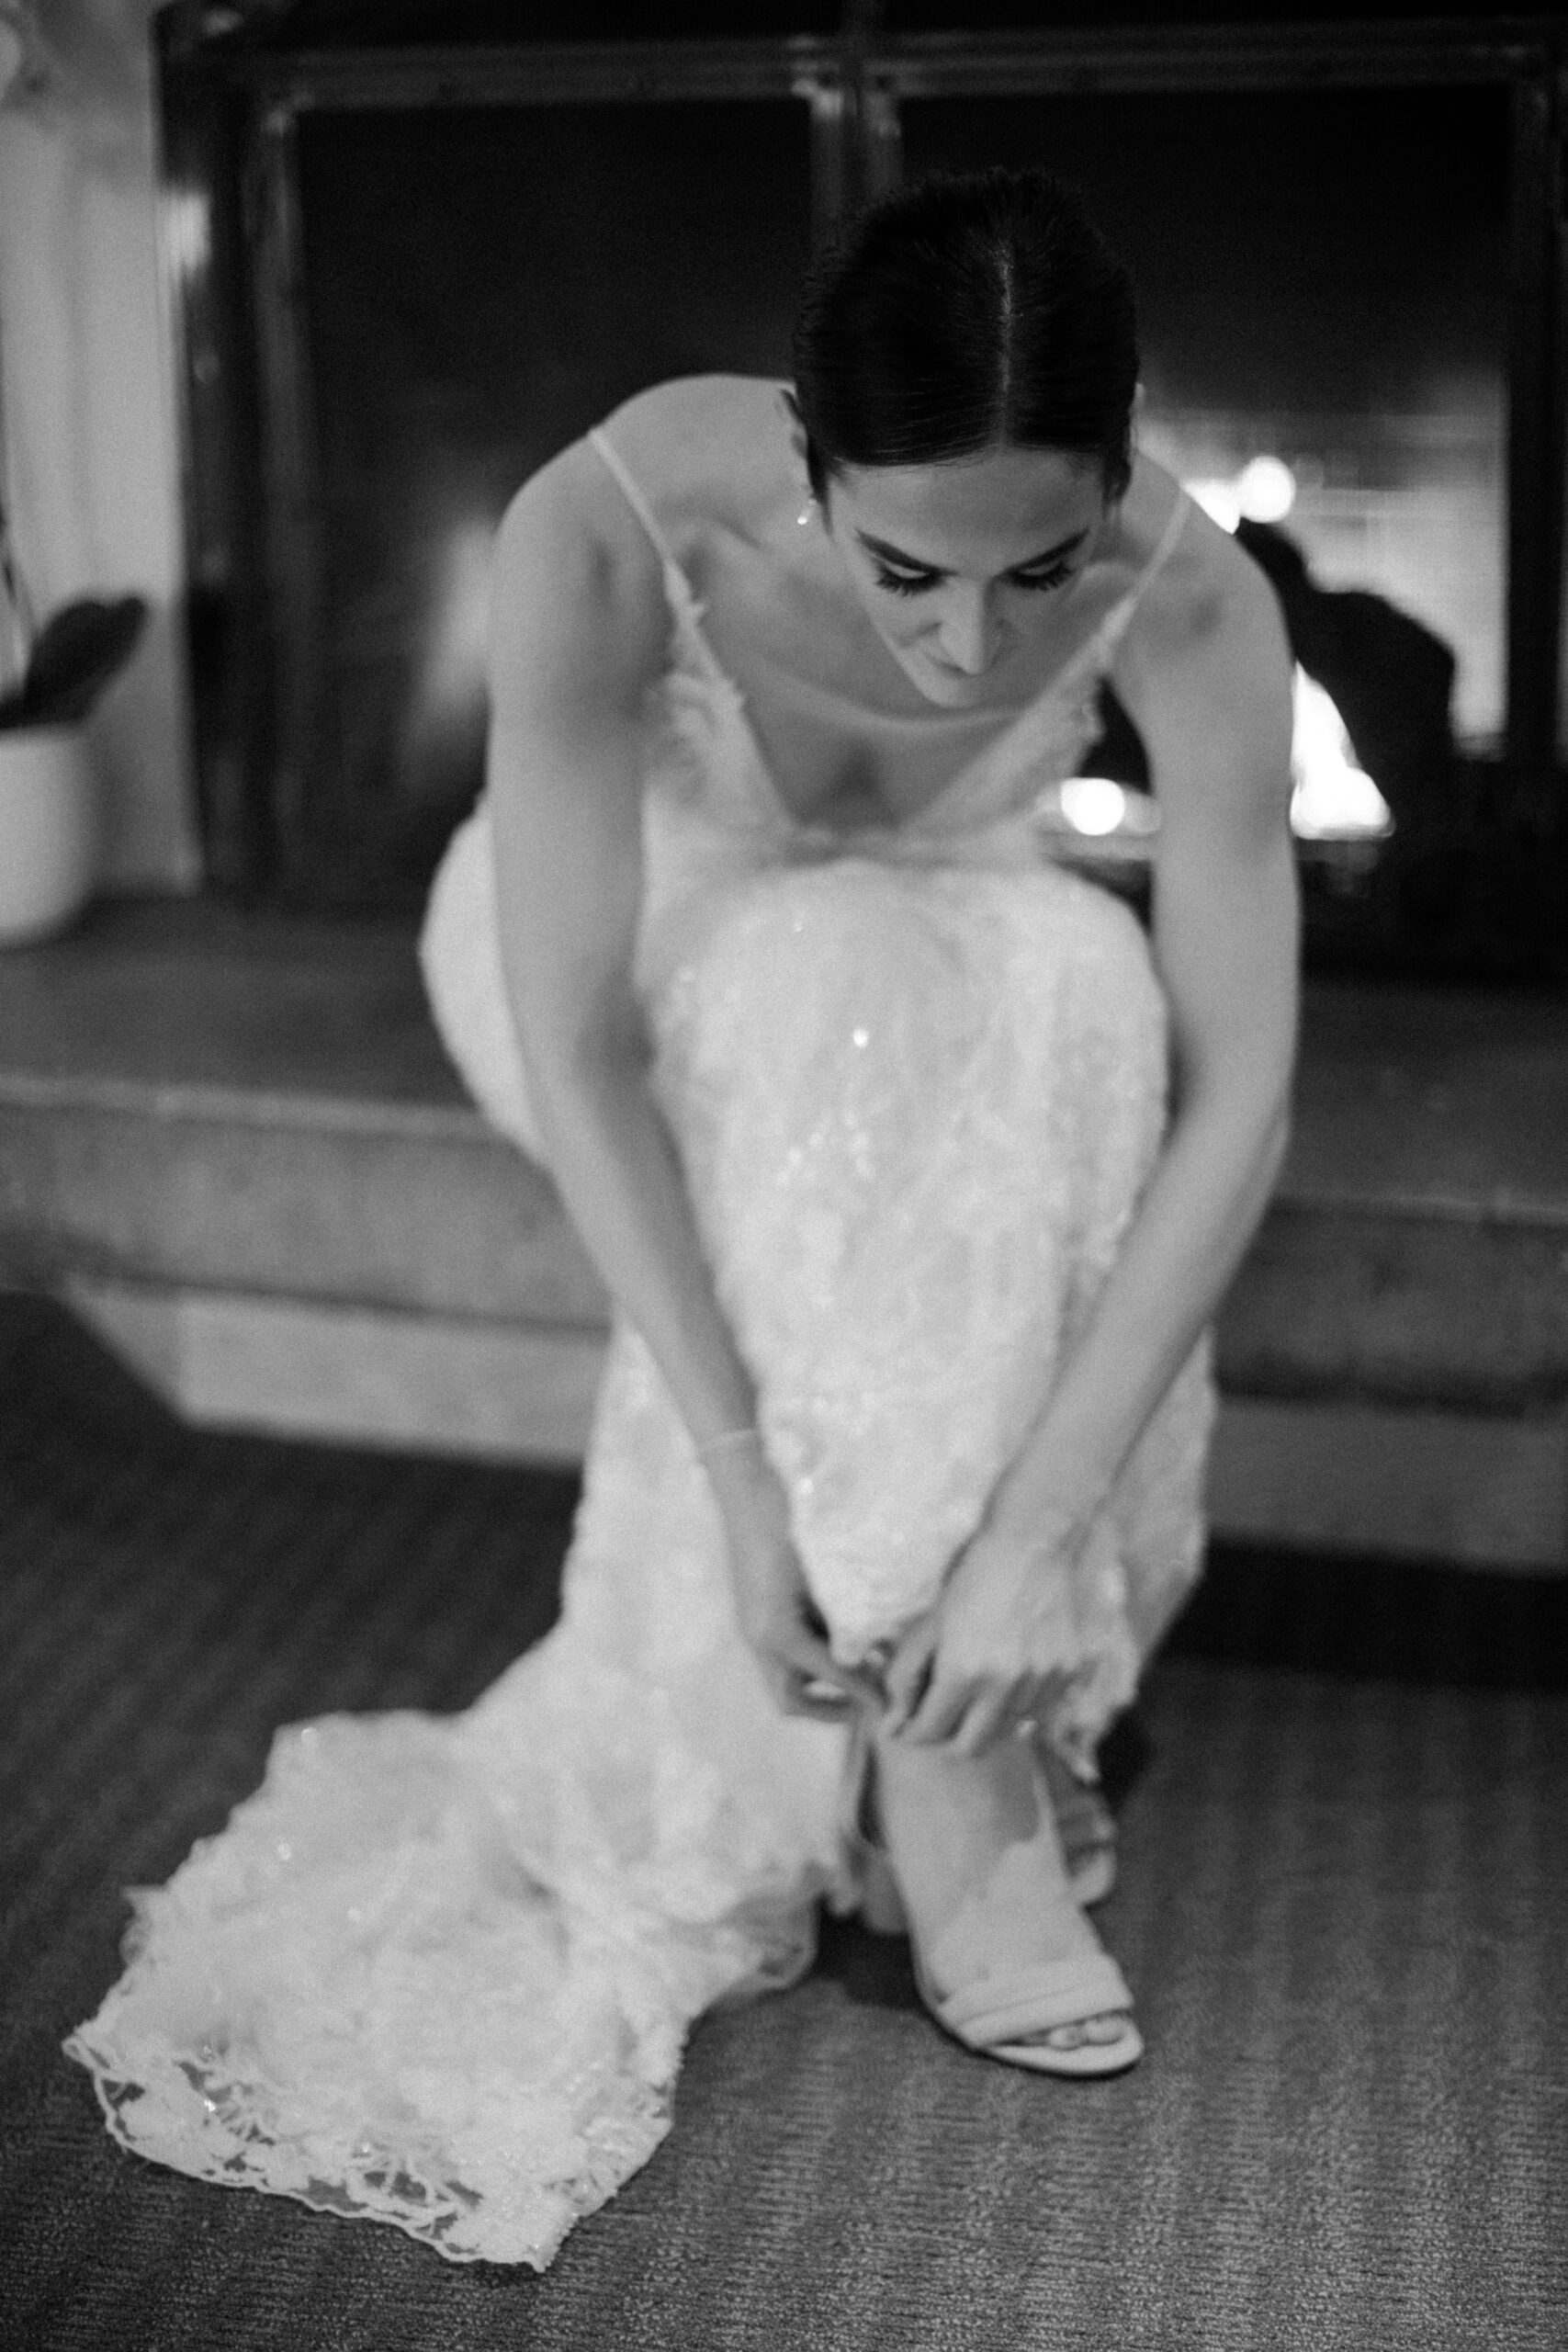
[187, 232]
[1095, 808]
[1266, 490]
[1092, 804]
[1218, 500]
[456, 658]
[1331, 798]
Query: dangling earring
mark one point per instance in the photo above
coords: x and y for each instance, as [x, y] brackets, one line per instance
[804, 517]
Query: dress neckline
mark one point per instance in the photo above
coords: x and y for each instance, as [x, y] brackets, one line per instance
[1066, 690]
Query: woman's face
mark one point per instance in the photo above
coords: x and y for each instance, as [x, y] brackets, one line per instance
[964, 568]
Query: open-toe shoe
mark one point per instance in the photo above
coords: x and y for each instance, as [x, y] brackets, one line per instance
[991, 2001]
[990, 2011]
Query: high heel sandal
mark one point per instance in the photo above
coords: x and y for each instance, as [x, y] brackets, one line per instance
[881, 1905]
[985, 2013]
[1086, 1827]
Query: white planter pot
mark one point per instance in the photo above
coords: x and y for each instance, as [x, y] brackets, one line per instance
[48, 845]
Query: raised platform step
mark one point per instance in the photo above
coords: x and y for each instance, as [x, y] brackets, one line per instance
[235, 1144]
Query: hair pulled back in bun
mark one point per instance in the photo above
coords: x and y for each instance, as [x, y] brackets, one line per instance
[968, 313]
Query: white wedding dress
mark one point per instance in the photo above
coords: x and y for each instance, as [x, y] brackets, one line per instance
[438, 1970]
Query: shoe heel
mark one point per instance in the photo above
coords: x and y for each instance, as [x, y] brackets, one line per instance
[881, 1905]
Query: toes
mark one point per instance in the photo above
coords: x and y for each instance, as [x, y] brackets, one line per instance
[1108, 2027]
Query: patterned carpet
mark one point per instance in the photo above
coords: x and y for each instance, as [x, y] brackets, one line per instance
[1343, 1909]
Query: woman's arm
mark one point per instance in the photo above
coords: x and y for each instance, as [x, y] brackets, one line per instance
[1210, 691]
[1214, 710]
[580, 631]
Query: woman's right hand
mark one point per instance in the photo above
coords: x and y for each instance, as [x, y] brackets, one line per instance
[780, 1623]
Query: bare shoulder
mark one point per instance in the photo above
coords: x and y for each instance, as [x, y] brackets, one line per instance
[577, 592]
[1205, 671]
[1211, 601]
[576, 583]
[701, 448]
[705, 445]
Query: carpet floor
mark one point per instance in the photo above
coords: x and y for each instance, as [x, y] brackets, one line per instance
[1344, 1908]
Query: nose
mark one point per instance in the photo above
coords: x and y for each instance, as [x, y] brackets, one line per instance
[966, 629]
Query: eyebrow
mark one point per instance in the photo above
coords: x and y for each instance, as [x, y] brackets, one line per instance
[890, 554]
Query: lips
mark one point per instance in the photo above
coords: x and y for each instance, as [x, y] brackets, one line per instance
[963, 682]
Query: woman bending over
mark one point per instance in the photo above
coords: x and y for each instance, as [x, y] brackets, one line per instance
[915, 1169]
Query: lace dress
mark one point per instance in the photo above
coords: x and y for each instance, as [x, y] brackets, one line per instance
[439, 1971]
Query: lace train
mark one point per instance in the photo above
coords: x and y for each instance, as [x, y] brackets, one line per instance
[439, 1972]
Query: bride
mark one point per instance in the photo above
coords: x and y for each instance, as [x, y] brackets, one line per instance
[915, 1169]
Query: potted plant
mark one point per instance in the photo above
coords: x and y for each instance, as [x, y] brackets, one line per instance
[50, 676]
[48, 802]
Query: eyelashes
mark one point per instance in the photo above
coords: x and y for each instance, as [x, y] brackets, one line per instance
[1054, 578]
[899, 583]
[905, 584]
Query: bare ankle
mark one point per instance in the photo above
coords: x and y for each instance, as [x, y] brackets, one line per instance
[996, 1792]
[947, 1820]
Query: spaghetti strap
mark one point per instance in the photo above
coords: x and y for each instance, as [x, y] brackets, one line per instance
[1101, 649]
[684, 604]
[1166, 547]
[1157, 561]
[634, 498]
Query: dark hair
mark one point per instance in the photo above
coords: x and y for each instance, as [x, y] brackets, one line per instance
[968, 313]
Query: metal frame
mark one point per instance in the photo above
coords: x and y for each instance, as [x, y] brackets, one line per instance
[854, 87]
[546, 73]
[293, 519]
[1084, 59]
[1537, 429]
[253, 823]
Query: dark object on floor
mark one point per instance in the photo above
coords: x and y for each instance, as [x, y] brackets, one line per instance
[1343, 1906]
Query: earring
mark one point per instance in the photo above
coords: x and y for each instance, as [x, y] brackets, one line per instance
[804, 517]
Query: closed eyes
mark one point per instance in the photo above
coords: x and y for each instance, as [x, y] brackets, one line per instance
[904, 575]
[921, 583]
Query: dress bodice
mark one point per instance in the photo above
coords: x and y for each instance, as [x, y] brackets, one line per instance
[713, 812]
[708, 751]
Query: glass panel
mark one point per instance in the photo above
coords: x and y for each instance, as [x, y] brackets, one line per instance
[1322, 281]
[481, 285]
[1562, 650]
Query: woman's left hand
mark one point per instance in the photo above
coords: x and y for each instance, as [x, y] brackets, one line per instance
[978, 1665]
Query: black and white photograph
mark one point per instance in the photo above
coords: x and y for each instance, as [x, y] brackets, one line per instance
[783, 1176]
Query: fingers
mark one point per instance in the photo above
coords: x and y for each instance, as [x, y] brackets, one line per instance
[967, 1715]
[807, 1679]
[984, 1722]
[798, 1693]
[785, 1630]
[860, 1684]
[823, 1680]
[933, 1703]
[908, 1673]
[936, 1714]
[814, 1701]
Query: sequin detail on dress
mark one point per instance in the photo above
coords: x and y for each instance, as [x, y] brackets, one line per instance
[439, 1972]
